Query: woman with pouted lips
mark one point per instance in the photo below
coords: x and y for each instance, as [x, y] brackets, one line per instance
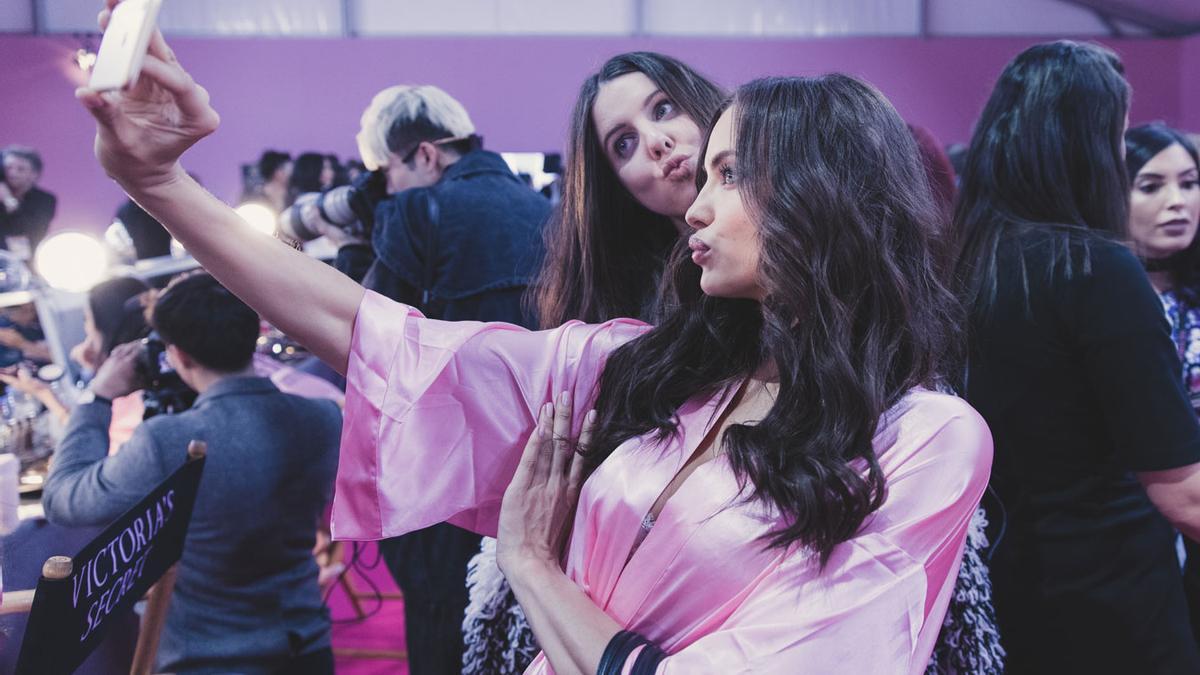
[628, 180]
[1164, 207]
[768, 486]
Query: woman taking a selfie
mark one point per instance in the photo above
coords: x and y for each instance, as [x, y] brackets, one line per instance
[765, 479]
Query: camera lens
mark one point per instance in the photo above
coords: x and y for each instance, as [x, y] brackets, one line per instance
[303, 220]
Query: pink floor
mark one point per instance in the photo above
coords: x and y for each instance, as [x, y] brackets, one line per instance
[383, 627]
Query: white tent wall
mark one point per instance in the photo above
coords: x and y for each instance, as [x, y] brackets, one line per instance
[777, 18]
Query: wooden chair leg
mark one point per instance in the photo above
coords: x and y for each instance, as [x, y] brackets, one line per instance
[158, 600]
[15, 602]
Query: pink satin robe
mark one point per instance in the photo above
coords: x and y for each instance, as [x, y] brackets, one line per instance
[437, 416]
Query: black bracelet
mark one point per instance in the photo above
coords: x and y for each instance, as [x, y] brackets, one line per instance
[648, 660]
[612, 662]
[618, 650]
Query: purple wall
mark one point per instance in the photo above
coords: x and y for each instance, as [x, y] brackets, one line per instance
[1189, 84]
[299, 95]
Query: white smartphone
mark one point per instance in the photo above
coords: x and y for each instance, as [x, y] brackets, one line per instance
[124, 45]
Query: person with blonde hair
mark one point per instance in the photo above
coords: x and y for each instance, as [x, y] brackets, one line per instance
[455, 233]
[768, 480]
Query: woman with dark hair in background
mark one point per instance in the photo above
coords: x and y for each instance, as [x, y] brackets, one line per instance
[109, 320]
[770, 485]
[1164, 172]
[112, 315]
[1164, 207]
[274, 172]
[311, 172]
[628, 180]
[1072, 366]
[340, 175]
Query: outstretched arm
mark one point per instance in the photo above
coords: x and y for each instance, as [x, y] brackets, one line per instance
[140, 134]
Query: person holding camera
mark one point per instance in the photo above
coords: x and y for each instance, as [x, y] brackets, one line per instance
[445, 226]
[113, 314]
[438, 221]
[246, 599]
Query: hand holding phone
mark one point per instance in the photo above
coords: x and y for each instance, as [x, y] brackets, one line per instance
[142, 129]
[124, 45]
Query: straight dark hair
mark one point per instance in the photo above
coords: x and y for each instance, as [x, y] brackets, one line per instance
[855, 312]
[1142, 143]
[605, 251]
[306, 175]
[117, 312]
[1046, 155]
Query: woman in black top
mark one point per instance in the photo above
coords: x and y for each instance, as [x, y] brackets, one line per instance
[1072, 366]
[1164, 208]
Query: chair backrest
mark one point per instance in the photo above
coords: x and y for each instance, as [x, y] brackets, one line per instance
[75, 596]
[17, 602]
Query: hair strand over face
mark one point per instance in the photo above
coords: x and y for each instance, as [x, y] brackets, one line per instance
[856, 311]
[604, 250]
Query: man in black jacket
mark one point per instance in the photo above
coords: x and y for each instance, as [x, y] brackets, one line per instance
[25, 209]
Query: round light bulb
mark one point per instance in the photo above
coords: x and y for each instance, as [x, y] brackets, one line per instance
[71, 261]
[258, 217]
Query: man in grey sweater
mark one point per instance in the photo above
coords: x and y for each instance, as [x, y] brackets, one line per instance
[246, 599]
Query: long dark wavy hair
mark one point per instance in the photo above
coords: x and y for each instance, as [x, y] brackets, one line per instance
[605, 252]
[855, 311]
[1142, 143]
[1046, 156]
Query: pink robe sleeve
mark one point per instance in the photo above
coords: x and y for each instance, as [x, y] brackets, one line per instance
[878, 605]
[437, 413]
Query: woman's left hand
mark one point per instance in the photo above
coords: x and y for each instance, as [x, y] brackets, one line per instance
[539, 505]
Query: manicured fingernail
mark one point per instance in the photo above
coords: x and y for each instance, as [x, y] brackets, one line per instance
[547, 410]
[591, 417]
[564, 398]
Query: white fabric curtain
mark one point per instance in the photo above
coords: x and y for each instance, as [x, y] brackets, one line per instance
[725, 18]
[279, 18]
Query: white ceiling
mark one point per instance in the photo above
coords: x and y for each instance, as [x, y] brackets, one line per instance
[780, 18]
